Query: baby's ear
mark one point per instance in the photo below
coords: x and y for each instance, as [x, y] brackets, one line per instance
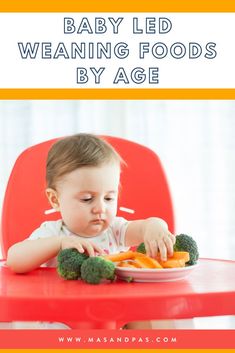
[53, 198]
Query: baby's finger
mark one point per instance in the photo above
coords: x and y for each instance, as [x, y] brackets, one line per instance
[80, 248]
[169, 245]
[172, 237]
[147, 248]
[89, 248]
[97, 249]
[163, 250]
[153, 248]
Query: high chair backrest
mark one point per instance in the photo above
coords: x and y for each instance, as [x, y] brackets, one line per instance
[144, 189]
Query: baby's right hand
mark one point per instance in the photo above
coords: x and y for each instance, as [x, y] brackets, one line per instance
[82, 245]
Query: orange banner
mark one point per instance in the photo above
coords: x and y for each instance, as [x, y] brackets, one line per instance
[98, 93]
[117, 6]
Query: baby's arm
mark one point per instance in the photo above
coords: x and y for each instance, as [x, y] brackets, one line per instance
[27, 255]
[30, 254]
[155, 235]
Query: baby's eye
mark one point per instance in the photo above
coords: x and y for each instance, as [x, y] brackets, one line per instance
[86, 199]
[109, 198]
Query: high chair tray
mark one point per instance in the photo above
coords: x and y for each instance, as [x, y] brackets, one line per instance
[41, 295]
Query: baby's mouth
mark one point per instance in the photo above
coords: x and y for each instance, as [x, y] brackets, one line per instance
[97, 221]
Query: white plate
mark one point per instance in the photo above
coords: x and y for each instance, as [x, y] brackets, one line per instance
[154, 275]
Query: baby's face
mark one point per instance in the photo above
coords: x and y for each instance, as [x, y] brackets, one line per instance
[88, 198]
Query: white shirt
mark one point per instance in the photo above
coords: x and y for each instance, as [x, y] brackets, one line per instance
[112, 240]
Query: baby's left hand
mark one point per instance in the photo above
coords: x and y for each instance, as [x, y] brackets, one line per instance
[157, 238]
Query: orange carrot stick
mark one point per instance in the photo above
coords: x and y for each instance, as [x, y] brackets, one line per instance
[173, 263]
[128, 263]
[120, 256]
[147, 262]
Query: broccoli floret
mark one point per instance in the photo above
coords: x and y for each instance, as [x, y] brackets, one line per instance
[129, 279]
[141, 248]
[186, 243]
[70, 262]
[94, 269]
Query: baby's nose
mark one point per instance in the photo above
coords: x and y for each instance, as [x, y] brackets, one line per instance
[99, 207]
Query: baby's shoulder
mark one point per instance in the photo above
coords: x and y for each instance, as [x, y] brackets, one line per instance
[48, 228]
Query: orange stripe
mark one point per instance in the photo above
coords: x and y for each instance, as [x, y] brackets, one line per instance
[118, 350]
[117, 6]
[117, 94]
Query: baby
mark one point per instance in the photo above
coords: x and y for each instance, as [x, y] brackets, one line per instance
[83, 178]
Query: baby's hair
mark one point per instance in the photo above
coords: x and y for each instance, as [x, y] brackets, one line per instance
[77, 151]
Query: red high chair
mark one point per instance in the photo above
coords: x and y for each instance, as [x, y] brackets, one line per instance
[42, 295]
